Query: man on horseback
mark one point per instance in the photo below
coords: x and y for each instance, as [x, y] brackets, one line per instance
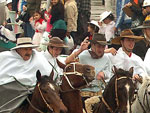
[54, 49]
[125, 58]
[17, 72]
[95, 57]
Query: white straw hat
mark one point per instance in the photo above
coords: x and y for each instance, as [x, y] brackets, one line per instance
[94, 23]
[8, 1]
[24, 42]
[104, 15]
[146, 3]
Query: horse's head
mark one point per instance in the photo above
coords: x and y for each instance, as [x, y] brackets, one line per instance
[48, 95]
[79, 75]
[124, 90]
[143, 95]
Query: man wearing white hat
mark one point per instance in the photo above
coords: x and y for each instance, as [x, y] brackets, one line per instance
[18, 73]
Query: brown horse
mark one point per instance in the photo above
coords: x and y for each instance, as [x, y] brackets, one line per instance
[45, 97]
[75, 77]
[118, 94]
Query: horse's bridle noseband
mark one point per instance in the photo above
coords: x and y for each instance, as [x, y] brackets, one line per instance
[116, 93]
[74, 73]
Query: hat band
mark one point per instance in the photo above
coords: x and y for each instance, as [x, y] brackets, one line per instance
[24, 43]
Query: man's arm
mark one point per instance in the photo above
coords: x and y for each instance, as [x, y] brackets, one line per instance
[84, 46]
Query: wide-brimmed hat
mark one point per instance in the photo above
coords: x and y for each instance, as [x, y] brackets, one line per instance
[99, 39]
[56, 42]
[146, 3]
[94, 23]
[8, 1]
[127, 33]
[24, 42]
[104, 15]
[146, 24]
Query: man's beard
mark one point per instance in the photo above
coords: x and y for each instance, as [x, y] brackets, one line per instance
[94, 55]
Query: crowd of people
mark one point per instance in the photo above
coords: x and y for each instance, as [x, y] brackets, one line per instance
[122, 42]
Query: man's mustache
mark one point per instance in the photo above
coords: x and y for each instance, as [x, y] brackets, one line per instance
[28, 55]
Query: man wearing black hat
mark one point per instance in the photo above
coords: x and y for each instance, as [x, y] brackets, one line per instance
[95, 57]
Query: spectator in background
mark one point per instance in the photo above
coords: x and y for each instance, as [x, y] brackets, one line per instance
[108, 29]
[71, 16]
[24, 16]
[122, 21]
[59, 26]
[33, 5]
[2, 11]
[93, 28]
[84, 13]
[39, 25]
[142, 46]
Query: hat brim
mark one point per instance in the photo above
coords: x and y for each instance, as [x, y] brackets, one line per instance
[140, 27]
[100, 42]
[55, 45]
[105, 16]
[116, 40]
[24, 46]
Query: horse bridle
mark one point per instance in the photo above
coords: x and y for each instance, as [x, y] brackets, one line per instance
[145, 96]
[116, 93]
[74, 73]
[41, 94]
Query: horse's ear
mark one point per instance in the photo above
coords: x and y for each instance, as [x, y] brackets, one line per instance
[131, 71]
[51, 75]
[61, 65]
[38, 75]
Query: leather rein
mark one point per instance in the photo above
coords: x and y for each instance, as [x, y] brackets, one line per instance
[41, 94]
[116, 98]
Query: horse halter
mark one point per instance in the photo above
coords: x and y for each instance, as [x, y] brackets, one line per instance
[145, 97]
[116, 93]
[74, 73]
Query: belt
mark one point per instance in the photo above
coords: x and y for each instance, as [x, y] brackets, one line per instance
[90, 94]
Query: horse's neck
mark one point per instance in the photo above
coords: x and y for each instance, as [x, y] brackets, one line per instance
[71, 98]
[72, 101]
[110, 98]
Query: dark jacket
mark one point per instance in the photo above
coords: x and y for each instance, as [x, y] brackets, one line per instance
[57, 12]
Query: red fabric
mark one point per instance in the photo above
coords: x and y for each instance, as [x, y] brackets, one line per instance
[136, 1]
[90, 37]
[40, 21]
[130, 54]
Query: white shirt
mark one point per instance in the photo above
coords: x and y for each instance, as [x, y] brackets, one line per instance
[123, 61]
[57, 70]
[12, 65]
[108, 30]
[1, 1]
[102, 64]
[147, 61]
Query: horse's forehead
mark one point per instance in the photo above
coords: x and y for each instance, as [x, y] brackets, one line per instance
[51, 86]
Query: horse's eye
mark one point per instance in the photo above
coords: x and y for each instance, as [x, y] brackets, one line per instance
[44, 91]
[69, 67]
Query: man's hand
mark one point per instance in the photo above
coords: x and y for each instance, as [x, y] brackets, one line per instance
[84, 45]
[137, 78]
[100, 76]
[112, 50]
